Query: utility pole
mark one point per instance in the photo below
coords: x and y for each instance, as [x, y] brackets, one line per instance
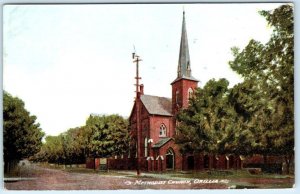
[138, 112]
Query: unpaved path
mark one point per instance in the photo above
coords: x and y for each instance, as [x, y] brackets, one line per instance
[33, 177]
[40, 178]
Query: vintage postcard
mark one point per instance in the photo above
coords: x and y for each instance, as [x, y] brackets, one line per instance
[148, 96]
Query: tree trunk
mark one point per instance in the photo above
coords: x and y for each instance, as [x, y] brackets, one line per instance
[288, 159]
[10, 165]
[6, 166]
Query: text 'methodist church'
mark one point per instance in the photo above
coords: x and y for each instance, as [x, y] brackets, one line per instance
[158, 151]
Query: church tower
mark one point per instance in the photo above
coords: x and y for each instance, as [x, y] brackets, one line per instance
[184, 85]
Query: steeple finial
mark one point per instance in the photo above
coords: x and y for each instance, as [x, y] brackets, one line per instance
[184, 69]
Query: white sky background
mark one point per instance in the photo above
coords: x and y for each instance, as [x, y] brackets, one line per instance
[67, 61]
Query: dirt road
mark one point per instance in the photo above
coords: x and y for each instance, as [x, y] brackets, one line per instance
[40, 178]
[33, 177]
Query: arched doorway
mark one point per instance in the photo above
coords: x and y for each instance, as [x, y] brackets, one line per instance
[206, 161]
[190, 162]
[170, 159]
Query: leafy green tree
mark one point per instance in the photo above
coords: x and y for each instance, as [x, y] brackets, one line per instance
[266, 102]
[204, 125]
[41, 156]
[21, 134]
[246, 102]
[73, 152]
[65, 148]
[102, 136]
[52, 150]
[109, 135]
[84, 139]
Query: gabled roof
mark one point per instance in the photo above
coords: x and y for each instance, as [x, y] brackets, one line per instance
[162, 142]
[156, 105]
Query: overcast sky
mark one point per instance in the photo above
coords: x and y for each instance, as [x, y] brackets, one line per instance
[68, 61]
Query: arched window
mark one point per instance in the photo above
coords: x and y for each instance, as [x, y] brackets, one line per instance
[177, 97]
[190, 93]
[162, 130]
[146, 146]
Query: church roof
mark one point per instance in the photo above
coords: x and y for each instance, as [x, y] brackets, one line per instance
[157, 105]
[161, 142]
[185, 77]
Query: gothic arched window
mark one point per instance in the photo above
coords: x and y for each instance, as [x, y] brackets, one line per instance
[190, 93]
[177, 97]
[162, 130]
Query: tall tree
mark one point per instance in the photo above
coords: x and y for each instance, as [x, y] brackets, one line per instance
[54, 150]
[84, 139]
[109, 135]
[74, 154]
[203, 125]
[64, 148]
[268, 71]
[246, 102]
[21, 134]
[102, 136]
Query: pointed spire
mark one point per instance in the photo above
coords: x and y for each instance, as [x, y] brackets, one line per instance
[184, 69]
[184, 64]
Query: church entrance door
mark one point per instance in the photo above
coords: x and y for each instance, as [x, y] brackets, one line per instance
[170, 160]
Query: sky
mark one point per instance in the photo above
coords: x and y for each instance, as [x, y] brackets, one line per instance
[68, 61]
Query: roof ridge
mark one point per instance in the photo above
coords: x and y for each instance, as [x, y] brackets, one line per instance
[155, 96]
[157, 105]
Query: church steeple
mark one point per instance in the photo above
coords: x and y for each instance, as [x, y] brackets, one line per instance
[185, 84]
[184, 63]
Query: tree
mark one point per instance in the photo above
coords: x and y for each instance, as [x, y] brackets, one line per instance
[268, 72]
[109, 135]
[66, 148]
[204, 125]
[73, 152]
[53, 148]
[102, 136]
[84, 140]
[21, 134]
[246, 102]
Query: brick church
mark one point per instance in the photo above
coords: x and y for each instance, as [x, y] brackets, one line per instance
[153, 128]
[157, 149]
